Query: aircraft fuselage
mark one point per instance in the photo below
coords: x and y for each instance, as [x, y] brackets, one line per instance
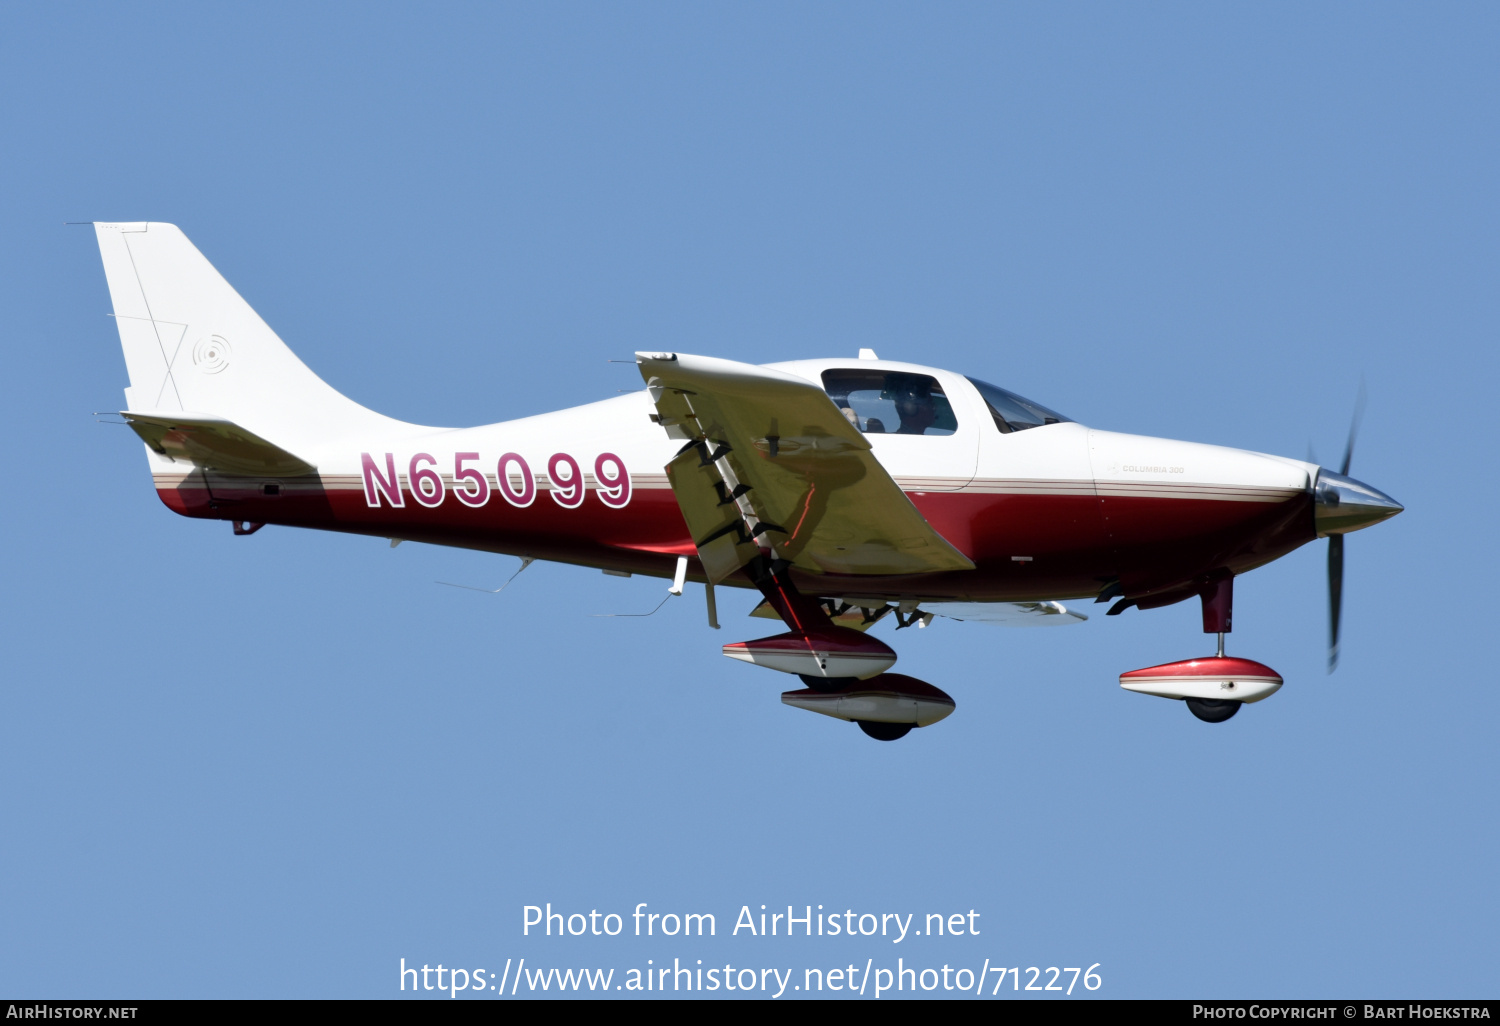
[1057, 511]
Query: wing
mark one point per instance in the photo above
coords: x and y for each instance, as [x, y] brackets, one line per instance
[772, 463]
[214, 443]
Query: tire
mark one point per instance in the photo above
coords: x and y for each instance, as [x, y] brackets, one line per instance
[1213, 710]
[888, 731]
[826, 684]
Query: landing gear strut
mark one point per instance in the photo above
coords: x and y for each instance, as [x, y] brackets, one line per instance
[1218, 618]
[1217, 595]
[1214, 710]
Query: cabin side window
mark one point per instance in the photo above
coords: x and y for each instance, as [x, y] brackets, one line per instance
[891, 402]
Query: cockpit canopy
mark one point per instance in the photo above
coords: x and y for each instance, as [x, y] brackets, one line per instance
[907, 403]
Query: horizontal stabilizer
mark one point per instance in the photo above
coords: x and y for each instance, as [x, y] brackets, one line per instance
[214, 443]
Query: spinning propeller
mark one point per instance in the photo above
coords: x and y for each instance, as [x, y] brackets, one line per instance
[1340, 505]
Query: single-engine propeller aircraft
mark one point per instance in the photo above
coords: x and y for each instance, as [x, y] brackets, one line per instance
[844, 491]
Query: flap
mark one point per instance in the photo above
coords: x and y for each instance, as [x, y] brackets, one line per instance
[862, 614]
[1008, 614]
[214, 444]
[775, 460]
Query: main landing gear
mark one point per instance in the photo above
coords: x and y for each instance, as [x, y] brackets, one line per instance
[844, 669]
[885, 731]
[1213, 687]
[886, 706]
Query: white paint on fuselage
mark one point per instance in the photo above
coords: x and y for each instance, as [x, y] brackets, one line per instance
[1065, 458]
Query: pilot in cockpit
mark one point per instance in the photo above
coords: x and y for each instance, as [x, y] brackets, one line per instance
[912, 396]
[895, 402]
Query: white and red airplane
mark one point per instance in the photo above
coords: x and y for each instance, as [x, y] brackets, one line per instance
[843, 490]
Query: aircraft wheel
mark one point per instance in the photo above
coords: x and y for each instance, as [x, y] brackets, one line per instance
[888, 731]
[1213, 710]
[827, 684]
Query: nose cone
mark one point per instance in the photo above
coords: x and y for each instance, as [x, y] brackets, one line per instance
[1342, 504]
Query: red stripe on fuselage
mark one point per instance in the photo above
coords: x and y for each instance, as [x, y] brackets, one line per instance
[1075, 542]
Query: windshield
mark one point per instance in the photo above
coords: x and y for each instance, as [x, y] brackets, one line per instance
[1011, 412]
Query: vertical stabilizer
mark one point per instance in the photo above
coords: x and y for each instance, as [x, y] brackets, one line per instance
[192, 344]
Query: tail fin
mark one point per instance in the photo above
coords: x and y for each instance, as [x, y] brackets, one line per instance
[193, 345]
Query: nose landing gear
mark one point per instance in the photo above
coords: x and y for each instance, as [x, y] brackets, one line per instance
[1215, 687]
[1213, 710]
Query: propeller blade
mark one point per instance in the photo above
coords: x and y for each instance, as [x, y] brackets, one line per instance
[1335, 596]
[1359, 412]
[1336, 542]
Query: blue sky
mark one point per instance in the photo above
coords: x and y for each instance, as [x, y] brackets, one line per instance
[276, 765]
